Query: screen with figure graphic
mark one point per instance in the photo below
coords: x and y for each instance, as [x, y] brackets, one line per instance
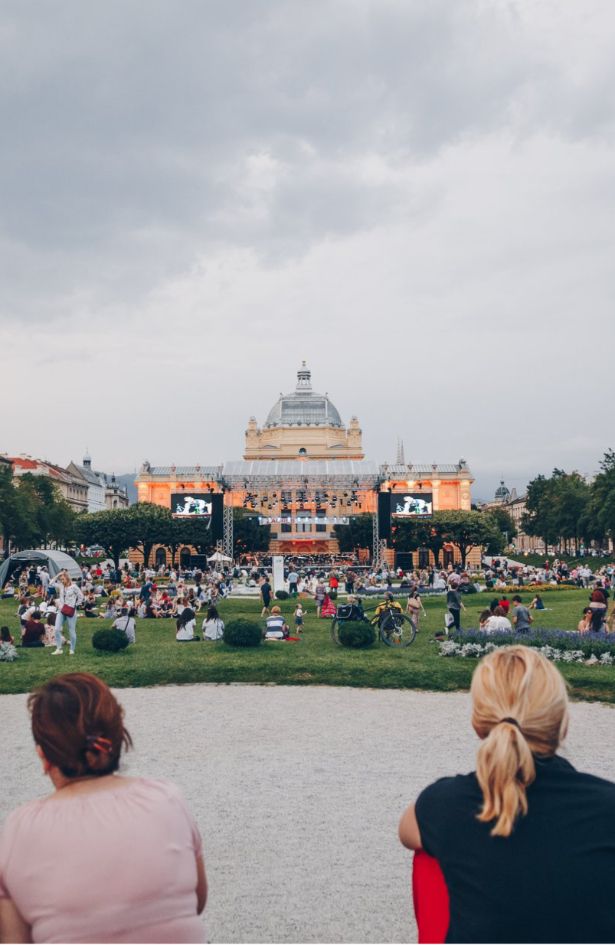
[412, 504]
[191, 504]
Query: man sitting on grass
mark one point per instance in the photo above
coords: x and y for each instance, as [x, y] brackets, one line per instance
[277, 628]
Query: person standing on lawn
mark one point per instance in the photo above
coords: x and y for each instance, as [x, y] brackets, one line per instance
[68, 599]
[265, 596]
[521, 617]
[454, 604]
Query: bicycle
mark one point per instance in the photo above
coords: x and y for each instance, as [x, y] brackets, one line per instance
[394, 628]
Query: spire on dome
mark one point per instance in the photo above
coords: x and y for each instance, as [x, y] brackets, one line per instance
[304, 377]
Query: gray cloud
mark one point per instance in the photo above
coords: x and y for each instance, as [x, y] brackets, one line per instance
[133, 117]
[195, 196]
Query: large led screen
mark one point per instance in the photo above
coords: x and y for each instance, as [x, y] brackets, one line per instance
[192, 504]
[412, 504]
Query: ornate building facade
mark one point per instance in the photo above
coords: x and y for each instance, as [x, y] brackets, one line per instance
[304, 472]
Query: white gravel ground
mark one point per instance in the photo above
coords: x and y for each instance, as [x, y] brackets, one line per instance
[298, 792]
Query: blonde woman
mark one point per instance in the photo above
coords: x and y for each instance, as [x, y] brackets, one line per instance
[68, 599]
[526, 843]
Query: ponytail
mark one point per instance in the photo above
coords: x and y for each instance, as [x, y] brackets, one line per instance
[505, 768]
[520, 712]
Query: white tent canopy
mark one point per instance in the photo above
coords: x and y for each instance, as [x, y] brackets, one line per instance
[218, 556]
[55, 561]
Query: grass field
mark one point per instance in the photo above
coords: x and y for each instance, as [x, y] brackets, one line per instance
[156, 659]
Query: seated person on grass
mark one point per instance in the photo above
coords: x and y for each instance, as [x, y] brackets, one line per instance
[277, 628]
[389, 603]
[50, 628]
[213, 625]
[126, 623]
[33, 631]
[185, 625]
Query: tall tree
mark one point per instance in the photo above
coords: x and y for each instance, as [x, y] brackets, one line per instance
[150, 523]
[113, 529]
[248, 534]
[357, 534]
[467, 530]
[539, 518]
[602, 501]
[570, 499]
[504, 523]
[54, 516]
[18, 513]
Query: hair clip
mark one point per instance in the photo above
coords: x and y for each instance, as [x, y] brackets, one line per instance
[98, 743]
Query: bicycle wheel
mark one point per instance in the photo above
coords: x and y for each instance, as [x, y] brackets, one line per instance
[397, 630]
[335, 627]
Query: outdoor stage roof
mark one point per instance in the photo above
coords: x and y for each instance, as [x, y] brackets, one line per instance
[300, 469]
[368, 473]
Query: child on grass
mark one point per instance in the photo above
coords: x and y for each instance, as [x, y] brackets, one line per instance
[298, 619]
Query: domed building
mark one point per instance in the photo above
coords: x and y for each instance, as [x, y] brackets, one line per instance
[303, 425]
[502, 493]
[302, 474]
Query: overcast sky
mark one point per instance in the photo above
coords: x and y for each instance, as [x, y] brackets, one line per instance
[415, 197]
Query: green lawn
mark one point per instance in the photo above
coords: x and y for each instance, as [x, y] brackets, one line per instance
[157, 659]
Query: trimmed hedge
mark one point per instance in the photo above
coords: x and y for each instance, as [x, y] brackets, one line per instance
[242, 632]
[282, 595]
[356, 634]
[110, 640]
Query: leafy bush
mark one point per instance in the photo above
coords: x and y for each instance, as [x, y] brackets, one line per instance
[242, 632]
[110, 640]
[281, 595]
[356, 634]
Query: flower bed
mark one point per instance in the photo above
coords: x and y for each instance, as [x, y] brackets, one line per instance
[529, 588]
[556, 645]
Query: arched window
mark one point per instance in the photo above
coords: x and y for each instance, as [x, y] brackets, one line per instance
[184, 557]
[161, 556]
[302, 451]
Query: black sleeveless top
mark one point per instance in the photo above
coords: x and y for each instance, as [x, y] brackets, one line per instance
[552, 880]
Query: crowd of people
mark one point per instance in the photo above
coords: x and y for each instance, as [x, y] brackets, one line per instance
[48, 607]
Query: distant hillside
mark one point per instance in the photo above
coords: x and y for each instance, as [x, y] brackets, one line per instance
[128, 480]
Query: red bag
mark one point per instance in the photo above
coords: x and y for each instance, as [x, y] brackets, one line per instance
[68, 611]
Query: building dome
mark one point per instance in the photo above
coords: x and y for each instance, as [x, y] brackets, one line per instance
[303, 407]
[502, 493]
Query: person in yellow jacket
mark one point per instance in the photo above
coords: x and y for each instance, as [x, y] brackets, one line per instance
[389, 603]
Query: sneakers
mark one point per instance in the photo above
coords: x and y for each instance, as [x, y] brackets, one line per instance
[57, 652]
[71, 652]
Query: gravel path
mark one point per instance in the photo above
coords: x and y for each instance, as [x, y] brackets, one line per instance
[298, 792]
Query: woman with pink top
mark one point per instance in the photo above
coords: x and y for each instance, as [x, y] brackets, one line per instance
[105, 858]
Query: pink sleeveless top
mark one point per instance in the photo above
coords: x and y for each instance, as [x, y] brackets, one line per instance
[118, 865]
